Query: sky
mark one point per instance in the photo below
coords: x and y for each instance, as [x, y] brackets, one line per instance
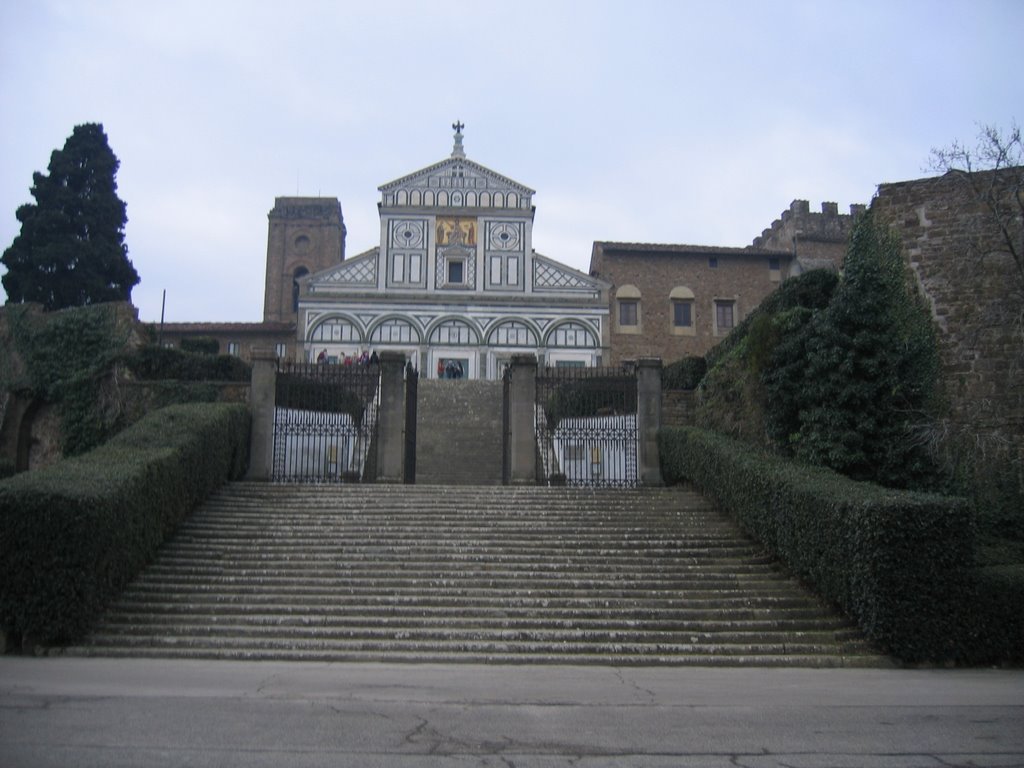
[664, 121]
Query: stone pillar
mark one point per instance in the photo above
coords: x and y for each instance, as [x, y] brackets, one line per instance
[648, 415]
[522, 425]
[391, 418]
[262, 392]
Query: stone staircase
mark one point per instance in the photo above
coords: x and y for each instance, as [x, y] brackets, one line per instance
[470, 574]
[459, 432]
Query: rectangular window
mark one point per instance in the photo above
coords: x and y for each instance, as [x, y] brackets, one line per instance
[455, 272]
[281, 350]
[724, 314]
[713, 262]
[233, 348]
[773, 264]
[628, 313]
[682, 314]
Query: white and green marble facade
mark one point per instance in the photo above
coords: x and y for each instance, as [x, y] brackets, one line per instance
[455, 277]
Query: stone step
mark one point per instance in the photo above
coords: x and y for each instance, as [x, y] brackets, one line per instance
[470, 573]
[613, 658]
[689, 622]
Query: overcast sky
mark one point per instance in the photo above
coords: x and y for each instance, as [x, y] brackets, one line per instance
[674, 121]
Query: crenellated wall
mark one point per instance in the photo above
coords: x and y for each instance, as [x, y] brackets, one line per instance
[811, 236]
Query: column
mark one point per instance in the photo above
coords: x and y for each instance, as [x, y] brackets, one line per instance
[262, 389]
[522, 425]
[648, 416]
[391, 418]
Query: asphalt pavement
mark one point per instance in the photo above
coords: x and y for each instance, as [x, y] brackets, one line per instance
[102, 712]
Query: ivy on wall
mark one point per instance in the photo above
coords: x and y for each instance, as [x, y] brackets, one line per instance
[67, 357]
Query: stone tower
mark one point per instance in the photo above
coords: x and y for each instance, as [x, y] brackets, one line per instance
[305, 235]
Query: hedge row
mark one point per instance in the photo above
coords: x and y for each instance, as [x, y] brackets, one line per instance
[153, 363]
[75, 533]
[899, 563]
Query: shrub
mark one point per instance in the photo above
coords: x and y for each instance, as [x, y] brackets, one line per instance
[684, 374]
[75, 533]
[898, 562]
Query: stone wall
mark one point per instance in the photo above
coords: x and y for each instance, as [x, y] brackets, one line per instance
[963, 266]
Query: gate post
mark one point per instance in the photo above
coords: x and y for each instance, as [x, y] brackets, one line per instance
[262, 394]
[391, 418]
[648, 412]
[522, 422]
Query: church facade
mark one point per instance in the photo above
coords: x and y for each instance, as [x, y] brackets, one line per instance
[454, 283]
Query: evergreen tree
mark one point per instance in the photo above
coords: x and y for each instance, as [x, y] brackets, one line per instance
[870, 365]
[71, 249]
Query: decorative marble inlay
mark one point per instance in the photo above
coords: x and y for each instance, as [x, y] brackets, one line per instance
[408, 233]
[548, 275]
[504, 236]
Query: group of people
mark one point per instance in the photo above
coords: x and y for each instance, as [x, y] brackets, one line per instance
[365, 358]
[450, 369]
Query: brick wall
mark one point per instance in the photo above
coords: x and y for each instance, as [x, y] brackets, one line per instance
[741, 275]
[304, 233]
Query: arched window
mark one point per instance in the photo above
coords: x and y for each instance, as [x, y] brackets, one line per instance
[454, 333]
[571, 334]
[336, 330]
[682, 311]
[299, 272]
[628, 317]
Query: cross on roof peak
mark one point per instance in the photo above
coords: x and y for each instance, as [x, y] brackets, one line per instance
[457, 150]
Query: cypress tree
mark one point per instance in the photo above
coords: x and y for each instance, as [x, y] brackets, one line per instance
[71, 249]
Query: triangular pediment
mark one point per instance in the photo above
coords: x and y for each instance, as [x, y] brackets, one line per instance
[457, 173]
[358, 272]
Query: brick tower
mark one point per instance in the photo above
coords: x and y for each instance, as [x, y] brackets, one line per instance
[305, 235]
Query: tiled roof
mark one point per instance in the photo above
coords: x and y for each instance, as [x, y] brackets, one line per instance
[682, 248]
[272, 327]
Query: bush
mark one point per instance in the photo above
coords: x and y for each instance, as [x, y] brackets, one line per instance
[898, 562]
[75, 533]
[153, 363]
[684, 374]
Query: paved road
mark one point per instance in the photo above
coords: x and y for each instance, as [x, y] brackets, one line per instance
[70, 712]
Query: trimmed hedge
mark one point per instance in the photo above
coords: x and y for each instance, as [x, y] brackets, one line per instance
[899, 563]
[153, 363]
[75, 533]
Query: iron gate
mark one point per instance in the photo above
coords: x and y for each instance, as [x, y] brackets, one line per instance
[325, 423]
[586, 425]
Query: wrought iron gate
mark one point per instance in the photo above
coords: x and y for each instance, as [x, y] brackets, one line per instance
[586, 423]
[325, 423]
